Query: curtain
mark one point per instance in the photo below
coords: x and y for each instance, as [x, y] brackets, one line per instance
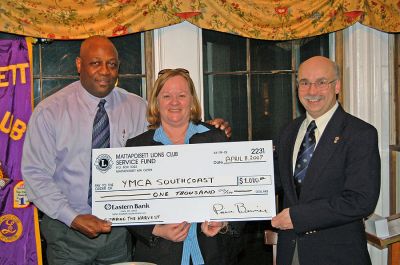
[260, 19]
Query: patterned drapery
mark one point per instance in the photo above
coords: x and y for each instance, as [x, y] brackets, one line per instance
[261, 19]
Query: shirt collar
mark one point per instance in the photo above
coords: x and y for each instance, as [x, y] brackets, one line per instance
[161, 136]
[92, 101]
[323, 120]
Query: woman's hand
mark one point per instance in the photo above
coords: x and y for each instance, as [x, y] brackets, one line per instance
[172, 232]
[210, 229]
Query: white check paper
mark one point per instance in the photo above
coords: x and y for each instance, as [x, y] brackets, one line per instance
[231, 181]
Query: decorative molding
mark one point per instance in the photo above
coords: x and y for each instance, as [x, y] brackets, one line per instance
[180, 46]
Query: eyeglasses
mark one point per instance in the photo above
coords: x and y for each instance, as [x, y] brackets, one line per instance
[181, 70]
[319, 84]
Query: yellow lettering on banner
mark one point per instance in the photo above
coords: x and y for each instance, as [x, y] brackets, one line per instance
[2, 76]
[15, 130]
[18, 130]
[3, 123]
[13, 68]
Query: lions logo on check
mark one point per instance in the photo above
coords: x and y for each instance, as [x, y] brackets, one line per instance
[10, 228]
[103, 163]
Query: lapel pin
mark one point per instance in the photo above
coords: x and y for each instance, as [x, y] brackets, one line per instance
[336, 139]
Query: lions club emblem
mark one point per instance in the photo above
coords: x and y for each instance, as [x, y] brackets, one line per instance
[103, 163]
[10, 228]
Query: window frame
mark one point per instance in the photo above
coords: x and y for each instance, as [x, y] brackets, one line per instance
[336, 47]
[148, 64]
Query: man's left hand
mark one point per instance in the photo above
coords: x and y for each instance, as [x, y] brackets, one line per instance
[282, 221]
[219, 123]
[90, 225]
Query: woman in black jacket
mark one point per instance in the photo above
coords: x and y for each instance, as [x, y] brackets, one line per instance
[174, 116]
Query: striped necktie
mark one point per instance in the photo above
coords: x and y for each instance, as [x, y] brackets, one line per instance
[304, 156]
[100, 137]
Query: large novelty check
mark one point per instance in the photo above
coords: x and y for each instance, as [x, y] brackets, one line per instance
[173, 183]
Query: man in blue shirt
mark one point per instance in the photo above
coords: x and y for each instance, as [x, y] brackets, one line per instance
[57, 156]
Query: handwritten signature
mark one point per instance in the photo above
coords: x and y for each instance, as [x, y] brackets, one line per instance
[239, 208]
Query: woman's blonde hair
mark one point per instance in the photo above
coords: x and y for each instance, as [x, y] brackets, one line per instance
[153, 111]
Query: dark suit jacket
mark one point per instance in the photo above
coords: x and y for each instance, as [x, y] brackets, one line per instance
[341, 188]
[221, 249]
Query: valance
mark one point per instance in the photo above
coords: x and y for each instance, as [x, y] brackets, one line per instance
[260, 19]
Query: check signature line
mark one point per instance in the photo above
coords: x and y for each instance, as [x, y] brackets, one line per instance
[241, 218]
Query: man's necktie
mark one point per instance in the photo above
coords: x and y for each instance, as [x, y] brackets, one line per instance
[304, 156]
[100, 137]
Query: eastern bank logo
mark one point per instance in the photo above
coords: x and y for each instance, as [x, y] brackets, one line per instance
[103, 163]
[10, 228]
[109, 207]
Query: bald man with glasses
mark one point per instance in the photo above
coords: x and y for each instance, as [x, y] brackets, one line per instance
[328, 172]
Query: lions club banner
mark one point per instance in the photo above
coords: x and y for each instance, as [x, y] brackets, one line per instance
[19, 233]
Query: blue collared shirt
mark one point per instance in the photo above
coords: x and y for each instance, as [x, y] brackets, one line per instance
[57, 148]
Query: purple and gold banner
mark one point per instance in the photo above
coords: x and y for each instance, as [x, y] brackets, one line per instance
[19, 233]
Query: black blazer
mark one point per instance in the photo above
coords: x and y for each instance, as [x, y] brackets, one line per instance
[221, 249]
[341, 188]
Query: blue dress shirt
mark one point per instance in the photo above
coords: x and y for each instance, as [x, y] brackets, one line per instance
[57, 148]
